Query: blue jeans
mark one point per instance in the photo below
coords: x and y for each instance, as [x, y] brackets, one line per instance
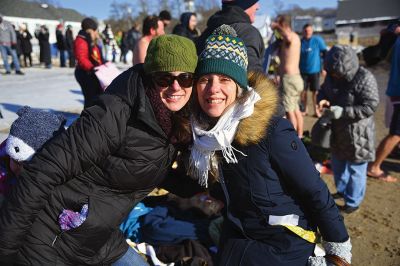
[5, 51]
[131, 258]
[350, 180]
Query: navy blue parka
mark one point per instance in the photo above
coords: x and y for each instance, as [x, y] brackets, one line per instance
[275, 178]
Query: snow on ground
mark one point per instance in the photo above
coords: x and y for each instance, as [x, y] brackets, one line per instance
[52, 89]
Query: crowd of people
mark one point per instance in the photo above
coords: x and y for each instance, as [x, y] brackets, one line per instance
[197, 114]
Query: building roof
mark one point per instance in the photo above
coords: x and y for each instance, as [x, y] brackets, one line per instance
[356, 11]
[25, 9]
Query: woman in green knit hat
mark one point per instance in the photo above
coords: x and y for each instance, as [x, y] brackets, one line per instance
[275, 198]
[76, 190]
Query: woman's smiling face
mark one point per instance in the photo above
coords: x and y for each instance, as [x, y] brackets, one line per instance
[215, 92]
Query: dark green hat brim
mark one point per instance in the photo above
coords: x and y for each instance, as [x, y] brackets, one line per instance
[222, 66]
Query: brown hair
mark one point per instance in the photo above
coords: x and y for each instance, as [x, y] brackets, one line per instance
[150, 22]
[284, 20]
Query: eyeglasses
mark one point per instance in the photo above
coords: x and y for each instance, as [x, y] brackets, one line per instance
[185, 80]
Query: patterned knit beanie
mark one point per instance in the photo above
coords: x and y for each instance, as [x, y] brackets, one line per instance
[168, 53]
[226, 54]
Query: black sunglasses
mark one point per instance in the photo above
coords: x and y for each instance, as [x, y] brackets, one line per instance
[185, 80]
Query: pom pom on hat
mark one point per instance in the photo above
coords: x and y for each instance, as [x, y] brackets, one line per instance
[226, 54]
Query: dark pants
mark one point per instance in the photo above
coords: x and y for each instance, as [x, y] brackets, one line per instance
[90, 85]
[71, 58]
[62, 58]
[28, 56]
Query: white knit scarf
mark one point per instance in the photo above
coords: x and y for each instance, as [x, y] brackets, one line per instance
[219, 138]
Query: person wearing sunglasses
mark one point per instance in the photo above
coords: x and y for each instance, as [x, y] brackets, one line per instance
[75, 192]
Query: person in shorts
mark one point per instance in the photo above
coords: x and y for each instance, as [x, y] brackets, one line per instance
[313, 50]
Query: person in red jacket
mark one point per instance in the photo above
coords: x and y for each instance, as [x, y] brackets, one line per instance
[88, 56]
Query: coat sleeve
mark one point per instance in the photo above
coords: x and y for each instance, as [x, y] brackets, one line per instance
[95, 135]
[255, 46]
[366, 99]
[293, 164]
[81, 51]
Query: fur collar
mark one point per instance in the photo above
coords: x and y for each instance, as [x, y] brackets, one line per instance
[252, 129]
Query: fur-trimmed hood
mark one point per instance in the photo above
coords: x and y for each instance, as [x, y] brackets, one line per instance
[252, 129]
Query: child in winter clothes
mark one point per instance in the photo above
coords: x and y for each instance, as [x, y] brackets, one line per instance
[27, 134]
[351, 93]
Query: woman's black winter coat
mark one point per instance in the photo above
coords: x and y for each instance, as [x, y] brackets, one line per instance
[110, 158]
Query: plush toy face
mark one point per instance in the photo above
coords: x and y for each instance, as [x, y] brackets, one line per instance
[30, 131]
[17, 149]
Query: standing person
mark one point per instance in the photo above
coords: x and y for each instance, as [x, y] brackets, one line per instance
[69, 45]
[26, 45]
[187, 27]
[45, 52]
[239, 14]
[289, 72]
[8, 42]
[275, 198]
[393, 138]
[88, 56]
[61, 43]
[120, 39]
[106, 162]
[313, 50]
[165, 17]
[132, 37]
[152, 27]
[18, 48]
[108, 40]
[351, 92]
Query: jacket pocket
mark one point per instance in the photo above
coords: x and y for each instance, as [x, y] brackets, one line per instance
[86, 239]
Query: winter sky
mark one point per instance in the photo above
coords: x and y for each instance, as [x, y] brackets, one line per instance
[101, 8]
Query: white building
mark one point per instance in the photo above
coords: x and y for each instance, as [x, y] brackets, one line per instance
[33, 15]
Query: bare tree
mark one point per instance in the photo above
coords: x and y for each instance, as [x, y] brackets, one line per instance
[278, 6]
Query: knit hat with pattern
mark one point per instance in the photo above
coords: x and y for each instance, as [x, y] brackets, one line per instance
[168, 53]
[226, 54]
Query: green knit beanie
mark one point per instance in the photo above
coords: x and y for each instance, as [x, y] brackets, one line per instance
[168, 53]
[226, 54]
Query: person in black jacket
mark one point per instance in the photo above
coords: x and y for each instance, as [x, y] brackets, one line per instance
[45, 52]
[61, 45]
[69, 45]
[239, 14]
[96, 171]
[275, 198]
[187, 27]
[26, 44]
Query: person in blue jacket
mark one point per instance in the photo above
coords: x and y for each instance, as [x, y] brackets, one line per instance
[275, 198]
[313, 50]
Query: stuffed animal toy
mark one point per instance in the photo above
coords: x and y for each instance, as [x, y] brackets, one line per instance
[30, 131]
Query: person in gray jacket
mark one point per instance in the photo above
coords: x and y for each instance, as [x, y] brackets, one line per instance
[8, 43]
[351, 93]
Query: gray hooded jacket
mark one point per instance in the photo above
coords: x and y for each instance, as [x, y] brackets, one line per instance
[355, 89]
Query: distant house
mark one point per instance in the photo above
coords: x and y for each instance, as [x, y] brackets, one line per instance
[34, 15]
[364, 18]
[319, 23]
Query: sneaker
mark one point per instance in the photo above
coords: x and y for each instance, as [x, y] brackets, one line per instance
[337, 195]
[347, 209]
[7, 73]
[19, 72]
